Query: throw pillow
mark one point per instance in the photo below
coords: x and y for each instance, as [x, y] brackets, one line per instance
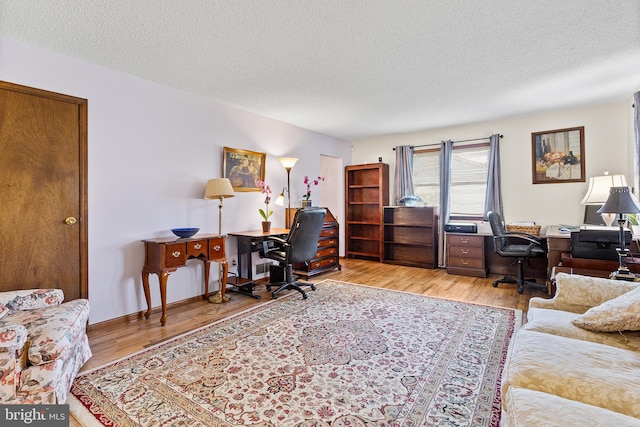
[618, 314]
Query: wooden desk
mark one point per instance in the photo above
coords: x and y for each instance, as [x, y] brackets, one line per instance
[249, 242]
[165, 255]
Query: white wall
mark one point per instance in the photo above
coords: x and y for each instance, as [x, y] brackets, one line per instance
[151, 150]
[608, 144]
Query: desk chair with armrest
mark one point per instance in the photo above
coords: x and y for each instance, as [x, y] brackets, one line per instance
[520, 246]
[300, 245]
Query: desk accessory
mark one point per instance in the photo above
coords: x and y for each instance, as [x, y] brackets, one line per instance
[184, 232]
[621, 202]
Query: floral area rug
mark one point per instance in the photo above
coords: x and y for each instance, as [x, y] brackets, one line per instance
[350, 355]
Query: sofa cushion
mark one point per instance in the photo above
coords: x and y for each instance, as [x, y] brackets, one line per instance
[526, 408]
[588, 372]
[28, 299]
[559, 322]
[619, 314]
[53, 331]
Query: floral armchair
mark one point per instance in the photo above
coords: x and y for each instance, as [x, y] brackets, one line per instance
[43, 345]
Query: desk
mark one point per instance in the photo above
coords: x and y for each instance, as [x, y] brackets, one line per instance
[165, 255]
[249, 242]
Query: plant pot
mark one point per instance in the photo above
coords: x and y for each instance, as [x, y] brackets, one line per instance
[266, 226]
[306, 203]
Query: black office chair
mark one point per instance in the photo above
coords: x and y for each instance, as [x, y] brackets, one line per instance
[520, 246]
[300, 245]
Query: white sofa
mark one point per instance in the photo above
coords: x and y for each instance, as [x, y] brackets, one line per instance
[560, 374]
[43, 345]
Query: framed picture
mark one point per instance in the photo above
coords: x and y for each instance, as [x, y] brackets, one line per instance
[244, 168]
[558, 155]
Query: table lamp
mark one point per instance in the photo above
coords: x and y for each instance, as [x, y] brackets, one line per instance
[598, 192]
[219, 188]
[621, 202]
[288, 163]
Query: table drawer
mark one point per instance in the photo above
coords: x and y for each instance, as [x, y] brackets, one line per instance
[175, 254]
[216, 248]
[197, 248]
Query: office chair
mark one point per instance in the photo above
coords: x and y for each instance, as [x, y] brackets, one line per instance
[520, 246]
[300, 245]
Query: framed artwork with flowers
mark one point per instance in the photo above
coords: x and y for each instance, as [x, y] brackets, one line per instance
[244, 168]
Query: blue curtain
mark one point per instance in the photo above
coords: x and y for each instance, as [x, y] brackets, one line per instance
[446, 152]
[493, 197]
[636, 127]
[403, 178]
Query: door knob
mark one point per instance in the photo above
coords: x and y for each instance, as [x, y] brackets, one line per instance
[70, 220]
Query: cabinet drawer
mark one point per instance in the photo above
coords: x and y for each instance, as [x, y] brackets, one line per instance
[326, 252]
[197, 248]
[175, 254]
[464, 240]
[465, 262]
[327, 242]
[327, 232]
[216, 248]
[466, 251]
[327, 262]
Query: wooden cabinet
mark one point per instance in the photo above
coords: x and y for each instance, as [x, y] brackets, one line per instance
[328, 255]
[366, 193]
[410, 236]
[465, 255]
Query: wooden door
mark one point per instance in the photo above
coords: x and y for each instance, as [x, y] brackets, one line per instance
[43, 200]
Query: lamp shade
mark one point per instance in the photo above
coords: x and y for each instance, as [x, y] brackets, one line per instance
[599, 186]
[288, 162]
[620, 201]
[218, 188]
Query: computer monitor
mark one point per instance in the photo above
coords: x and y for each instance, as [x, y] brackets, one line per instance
[591, 215]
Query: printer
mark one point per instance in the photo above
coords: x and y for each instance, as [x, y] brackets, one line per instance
[596, 242]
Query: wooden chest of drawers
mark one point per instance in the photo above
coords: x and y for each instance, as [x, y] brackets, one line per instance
[327, 256]
[465, 255]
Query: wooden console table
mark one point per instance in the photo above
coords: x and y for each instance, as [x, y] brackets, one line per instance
[165, 255]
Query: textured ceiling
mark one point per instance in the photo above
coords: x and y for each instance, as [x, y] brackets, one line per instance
[355, 68]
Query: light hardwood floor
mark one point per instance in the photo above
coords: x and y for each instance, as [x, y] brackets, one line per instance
[116, 339]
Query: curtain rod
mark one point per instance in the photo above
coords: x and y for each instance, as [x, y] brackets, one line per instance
[437, 143]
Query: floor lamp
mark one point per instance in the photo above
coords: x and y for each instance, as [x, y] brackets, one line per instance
[219, 188]
[621, 202]
[288, 163]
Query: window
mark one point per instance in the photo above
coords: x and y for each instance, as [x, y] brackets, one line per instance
[469, 164]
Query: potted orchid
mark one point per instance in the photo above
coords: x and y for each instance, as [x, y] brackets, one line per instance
[266, 212]
[306, 197]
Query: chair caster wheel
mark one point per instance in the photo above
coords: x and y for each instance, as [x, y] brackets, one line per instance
[495, 284]
[274, 295]
[313, 287]
[268, 288]
[305, 296]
